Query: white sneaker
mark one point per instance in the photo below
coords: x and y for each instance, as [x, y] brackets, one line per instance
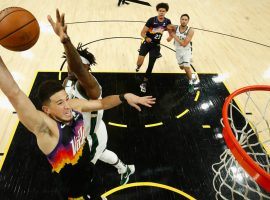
[143, 87]
[195, 78]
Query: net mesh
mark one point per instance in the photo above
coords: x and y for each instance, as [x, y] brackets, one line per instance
[250, 126]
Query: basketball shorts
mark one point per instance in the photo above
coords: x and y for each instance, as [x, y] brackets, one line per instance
[102, 137]
[152, 48]
[183, 57]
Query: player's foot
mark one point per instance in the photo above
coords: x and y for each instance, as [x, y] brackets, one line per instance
[137, 69]
[195, 78]
[159, 55]
[125, 176]
[119, 2]
[143, 87]
[190, 88]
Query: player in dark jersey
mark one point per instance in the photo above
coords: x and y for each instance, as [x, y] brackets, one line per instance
[60, 129]
[152, 33]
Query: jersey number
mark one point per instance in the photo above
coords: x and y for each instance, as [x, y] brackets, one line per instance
[157, 37]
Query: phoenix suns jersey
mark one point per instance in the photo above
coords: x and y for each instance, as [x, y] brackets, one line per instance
[156, 28]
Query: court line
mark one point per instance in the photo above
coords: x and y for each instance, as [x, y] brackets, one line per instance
[148, 184]
[153, 125]
[197, 96]
[182, 114]
[118, 125]
[200, 29]
[206, 126]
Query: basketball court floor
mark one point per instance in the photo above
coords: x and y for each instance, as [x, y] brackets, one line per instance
[174, 144]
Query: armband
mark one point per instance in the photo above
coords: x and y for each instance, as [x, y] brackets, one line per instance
[122, 98]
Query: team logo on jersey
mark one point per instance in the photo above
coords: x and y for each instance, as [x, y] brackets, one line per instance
[158, 29]
[78, 140]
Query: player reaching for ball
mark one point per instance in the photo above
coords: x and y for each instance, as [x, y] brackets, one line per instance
[61, 129]
[81, 84]
[182, 36]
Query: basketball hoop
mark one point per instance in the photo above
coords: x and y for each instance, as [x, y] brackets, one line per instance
[244, 168]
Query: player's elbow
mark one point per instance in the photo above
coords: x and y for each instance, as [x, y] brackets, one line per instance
[14, 94]
[143, 33]
[94, 93]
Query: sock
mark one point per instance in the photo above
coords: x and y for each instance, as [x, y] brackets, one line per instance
[120, 166]
[111, 158]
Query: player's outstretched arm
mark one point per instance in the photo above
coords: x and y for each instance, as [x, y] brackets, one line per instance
[86, 80]
[112, 101]
[31, 118]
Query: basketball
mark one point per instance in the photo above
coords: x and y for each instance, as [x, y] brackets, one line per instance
[19, 29]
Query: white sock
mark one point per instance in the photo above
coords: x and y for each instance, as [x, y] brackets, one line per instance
[111, 158]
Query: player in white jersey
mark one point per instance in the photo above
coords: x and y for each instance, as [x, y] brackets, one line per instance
[182, 36]
[97, 138]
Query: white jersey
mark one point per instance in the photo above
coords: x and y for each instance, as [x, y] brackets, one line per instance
[182, 36]
[72, 91]
[93, 123]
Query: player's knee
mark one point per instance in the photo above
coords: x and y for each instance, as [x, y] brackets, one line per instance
[181, 67]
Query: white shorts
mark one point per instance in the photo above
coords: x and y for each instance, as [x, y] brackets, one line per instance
[183, 57]
[102, 136]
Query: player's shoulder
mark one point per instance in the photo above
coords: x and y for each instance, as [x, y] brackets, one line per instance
[190, 30]
[151, 19]
[168, 20]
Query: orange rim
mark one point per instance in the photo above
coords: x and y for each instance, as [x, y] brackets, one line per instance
[252, 168]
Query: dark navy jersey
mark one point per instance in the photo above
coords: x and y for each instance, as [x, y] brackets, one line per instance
[71, 157]
[156, 28]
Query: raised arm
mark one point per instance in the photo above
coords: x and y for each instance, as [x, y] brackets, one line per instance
[31, 118]
[112, 101]
[86, 80]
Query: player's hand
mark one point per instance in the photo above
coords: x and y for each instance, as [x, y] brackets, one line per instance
[134, 100]
[172, 34]
[59, 27]
[148, 40]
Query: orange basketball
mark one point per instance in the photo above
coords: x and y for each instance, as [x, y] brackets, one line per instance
[19, 29]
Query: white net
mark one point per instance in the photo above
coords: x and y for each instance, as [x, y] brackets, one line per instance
[250, 126]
